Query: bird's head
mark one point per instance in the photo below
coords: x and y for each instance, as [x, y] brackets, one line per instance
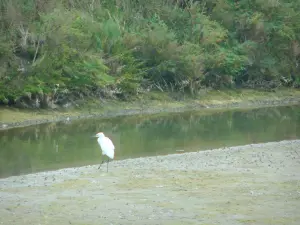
[100, 134]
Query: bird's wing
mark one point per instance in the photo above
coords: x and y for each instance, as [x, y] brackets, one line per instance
[107, 147]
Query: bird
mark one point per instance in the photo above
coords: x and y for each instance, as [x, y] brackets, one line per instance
[106, 146]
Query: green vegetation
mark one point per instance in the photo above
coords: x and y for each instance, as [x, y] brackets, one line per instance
[58, 51]
[152, 103]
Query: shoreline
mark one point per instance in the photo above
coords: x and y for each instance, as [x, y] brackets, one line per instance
[154, 159]
[183, 188]
[20, 118]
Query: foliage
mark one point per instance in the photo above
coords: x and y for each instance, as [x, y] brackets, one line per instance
[122, 48]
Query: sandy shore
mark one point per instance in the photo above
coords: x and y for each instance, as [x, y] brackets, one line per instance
[252, 184]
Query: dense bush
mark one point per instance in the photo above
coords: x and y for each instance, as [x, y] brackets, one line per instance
[51, 50]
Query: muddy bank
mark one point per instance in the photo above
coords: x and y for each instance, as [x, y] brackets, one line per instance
[140, 109]
[252, 184]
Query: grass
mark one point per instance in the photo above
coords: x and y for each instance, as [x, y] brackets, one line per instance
[9, 115]
[153, 102]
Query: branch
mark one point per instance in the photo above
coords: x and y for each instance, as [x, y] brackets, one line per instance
[36, 51]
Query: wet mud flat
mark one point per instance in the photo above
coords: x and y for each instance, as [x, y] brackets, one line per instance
[251, 184]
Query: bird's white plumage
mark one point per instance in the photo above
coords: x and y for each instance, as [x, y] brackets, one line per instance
[106, 145]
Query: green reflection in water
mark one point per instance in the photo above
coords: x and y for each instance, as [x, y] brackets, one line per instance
[60, 145]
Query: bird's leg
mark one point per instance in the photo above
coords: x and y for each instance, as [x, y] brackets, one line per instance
[101, 164]
[107, 165]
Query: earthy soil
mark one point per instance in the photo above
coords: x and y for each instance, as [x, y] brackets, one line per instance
[252, 184]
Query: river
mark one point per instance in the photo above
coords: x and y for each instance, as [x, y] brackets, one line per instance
[70, 143]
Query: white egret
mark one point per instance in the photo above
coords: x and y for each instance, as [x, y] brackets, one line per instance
[107, 147]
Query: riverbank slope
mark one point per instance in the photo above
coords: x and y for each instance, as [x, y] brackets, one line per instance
[149, 104]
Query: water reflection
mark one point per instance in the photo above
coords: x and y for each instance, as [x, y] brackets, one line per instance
[58, 145]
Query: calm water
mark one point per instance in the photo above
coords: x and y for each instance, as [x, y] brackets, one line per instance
[60, 145]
